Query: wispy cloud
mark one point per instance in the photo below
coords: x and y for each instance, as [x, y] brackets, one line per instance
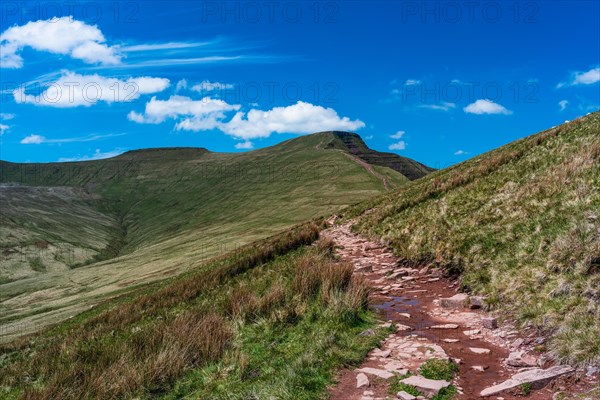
[38, 139]
[163, 46]
[3, 129]
[443, 106]
[563, 104]
[460, 153]
[98, 155]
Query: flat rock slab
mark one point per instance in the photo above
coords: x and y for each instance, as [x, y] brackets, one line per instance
[405, 396]
[479, 350]
[456, 302]
[362, 380]
[520, 359]
[381, 373]
[451, 340]
[445, 326]
[428, 387]
[533, 376]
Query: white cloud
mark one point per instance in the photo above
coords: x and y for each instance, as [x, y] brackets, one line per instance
[583, 78]
[369, 137]
[245, 145]
[563, 104]
[209, 113]
[64, 36]
[202, 114]
[299, 118]
[3, 129]
[181, 84]
[460, 152]
[33, 139]
[398, 135]
[73, 90]
[443, 106]
[412, 82]
[162, 46]
[6, 117]
[208, 86]
[37, 139]
[98, 155]
[484, 106]
[401, 145]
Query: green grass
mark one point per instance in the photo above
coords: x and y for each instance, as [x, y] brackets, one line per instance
[277, 318]
[439, 369]
[36, 264]
[520, 225]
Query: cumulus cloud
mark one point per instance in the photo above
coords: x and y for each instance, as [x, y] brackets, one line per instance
[484, 106]
[244, 145]
[193, 115]
[64, 36]
[398, 135]
[583, 78]
[3, 129]
[401, 145]
[460, 153]
[299, 118]
[74, 90]
[208, 113]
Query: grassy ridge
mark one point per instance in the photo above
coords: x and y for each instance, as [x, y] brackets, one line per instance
[217, 333]
[160, 212]
[519, 224]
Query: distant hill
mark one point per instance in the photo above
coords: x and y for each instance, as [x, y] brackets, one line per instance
[520, 224]
[91, 228]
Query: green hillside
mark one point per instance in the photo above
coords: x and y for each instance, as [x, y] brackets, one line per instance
[274, 319]
[520, 224]
[73, 233]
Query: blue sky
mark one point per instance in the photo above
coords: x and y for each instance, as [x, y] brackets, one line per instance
[436, 81]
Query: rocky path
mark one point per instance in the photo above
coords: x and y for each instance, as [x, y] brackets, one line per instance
[430, 319]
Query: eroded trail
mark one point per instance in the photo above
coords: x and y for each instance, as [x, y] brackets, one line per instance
[409, 300]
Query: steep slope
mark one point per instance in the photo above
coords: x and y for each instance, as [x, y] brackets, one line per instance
[160, 212]
[353, 144]
[520, 224]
